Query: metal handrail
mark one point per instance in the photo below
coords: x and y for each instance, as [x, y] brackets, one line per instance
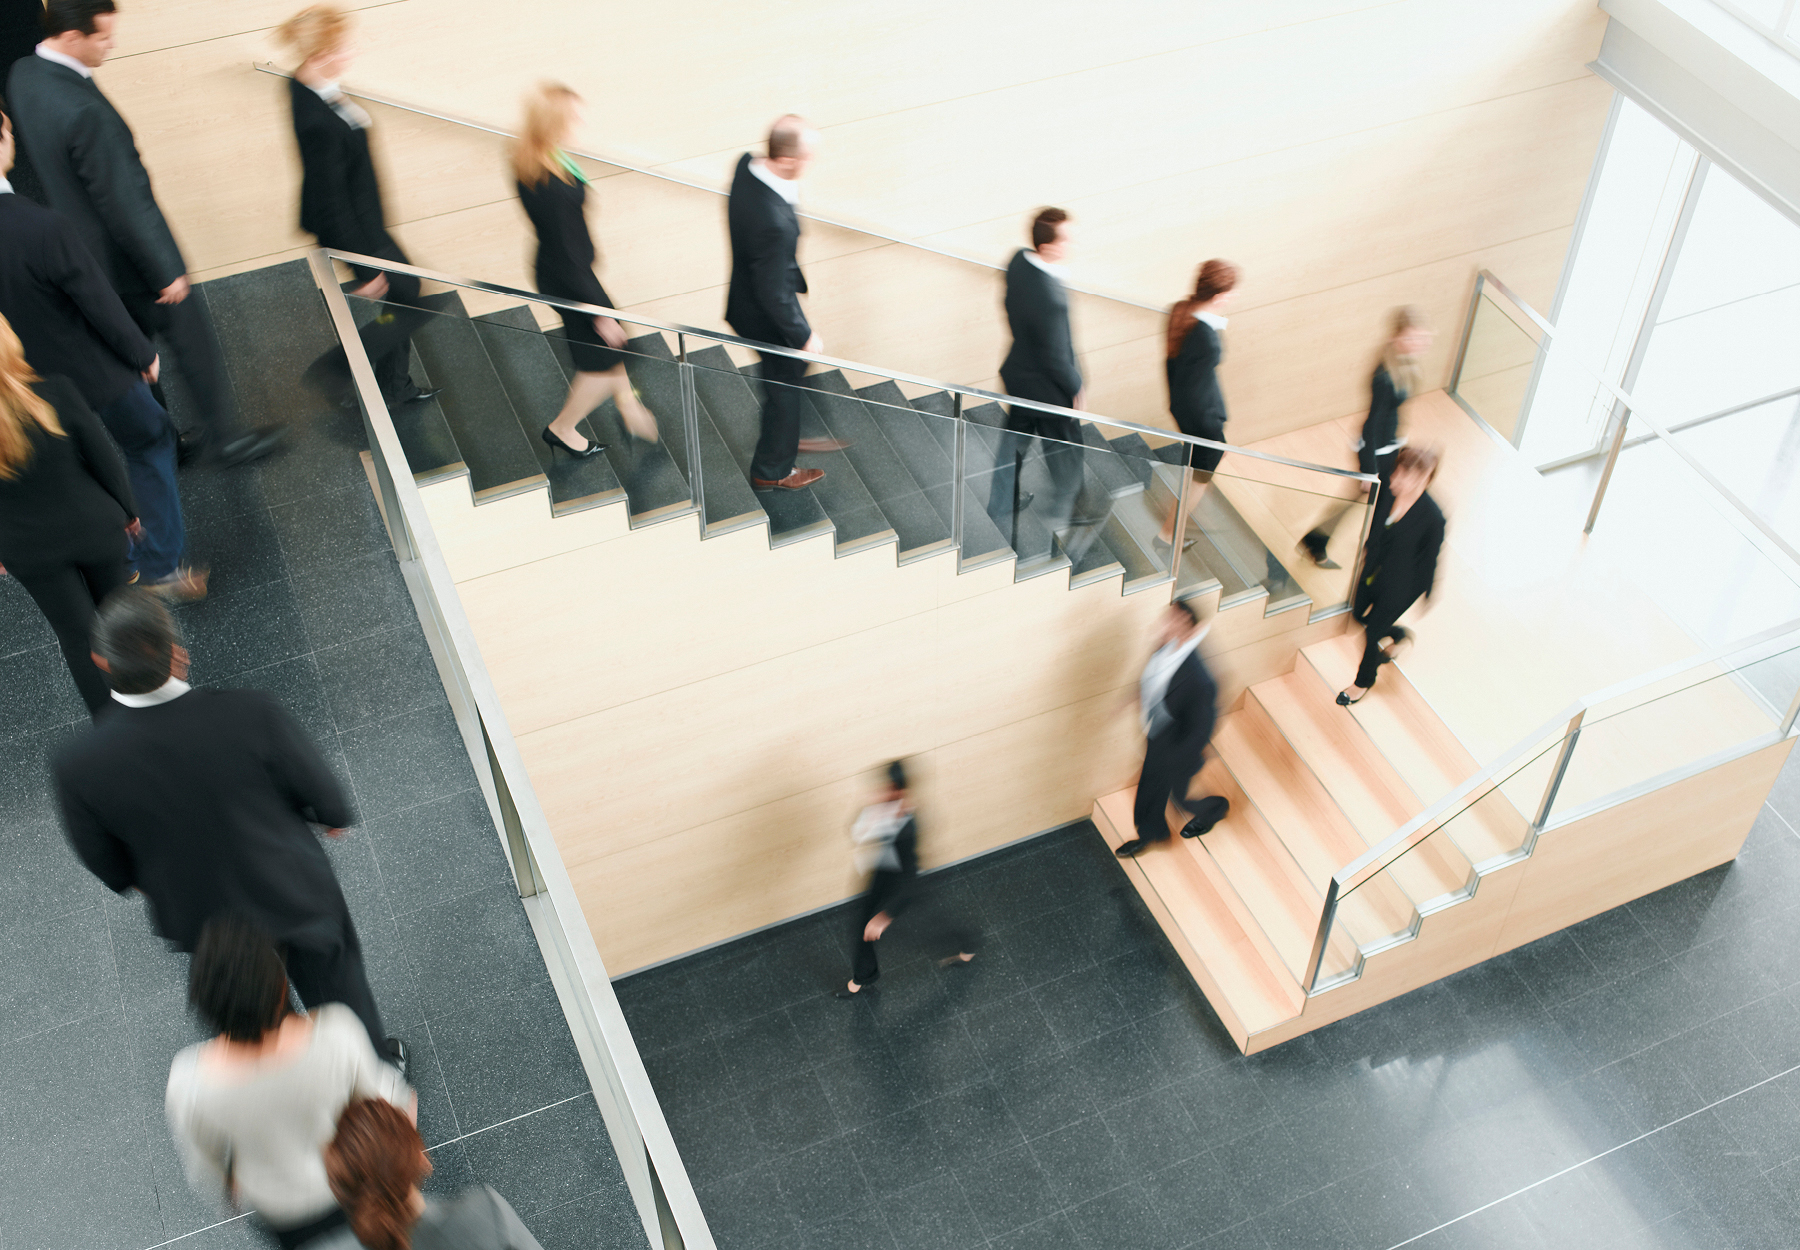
[660, 1185]
[361, 261]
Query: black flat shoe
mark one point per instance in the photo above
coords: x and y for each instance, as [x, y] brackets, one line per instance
[847, 993]
[556, 444]
[1344, 699]
[252, 446]
[1131, 849]
[399, 1055]
[412, 395]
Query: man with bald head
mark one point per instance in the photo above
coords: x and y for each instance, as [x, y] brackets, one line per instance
[764, 300]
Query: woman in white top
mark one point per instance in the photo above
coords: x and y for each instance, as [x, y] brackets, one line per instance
[252, 1109]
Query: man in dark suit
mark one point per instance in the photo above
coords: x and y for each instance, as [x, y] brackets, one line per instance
[203, 801]
[71, 323]
[763, 302]
[1178, 702]
[1041, 365]
[85, 157]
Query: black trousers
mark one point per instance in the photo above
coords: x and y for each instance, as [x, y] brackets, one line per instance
[926, 928]
[1378, 620]
[1168, 771]
[67, 595]
[386, 340]
[194, 353]
[332, 972]
[1059, 438]
[779, 442]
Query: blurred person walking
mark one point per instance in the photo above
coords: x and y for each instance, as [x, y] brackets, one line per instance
[1194, 349]
[71, 324]
[340, 205]
[1040, 365]
[203, 801]
[376, 1163]
[1177, 701]
[1396, 379]
[88, 162]
[553, 191]
[252, 1110]
[1400, 562]
[65, 508]
[886, 837]
[763, 301]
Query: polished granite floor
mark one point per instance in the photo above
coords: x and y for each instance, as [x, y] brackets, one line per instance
[1630, 1082]
[307, 601]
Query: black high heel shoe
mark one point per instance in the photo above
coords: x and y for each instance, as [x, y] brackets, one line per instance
[556, 444]
[1344, 699]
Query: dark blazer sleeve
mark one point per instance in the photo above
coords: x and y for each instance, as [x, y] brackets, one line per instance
[771, 282]
[1382, 425]
[325, 167]
[104, 855]
[302, 774]
[92, 446]
[100, 152]
[68, 265]
[1042, 324]
[1425, 556]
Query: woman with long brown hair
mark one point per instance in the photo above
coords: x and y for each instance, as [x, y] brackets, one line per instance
[376, 1164]
[66, 510]
[553, 190]
[1194, 348]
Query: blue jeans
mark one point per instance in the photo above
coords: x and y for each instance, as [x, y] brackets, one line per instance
[145, 434]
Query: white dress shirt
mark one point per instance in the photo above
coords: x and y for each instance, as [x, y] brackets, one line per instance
[1059, 272]
[787, 188]
[173, 688]
[1212, 319]
[341, 104]
[1154, 685]
[51, 54]
[5, 186]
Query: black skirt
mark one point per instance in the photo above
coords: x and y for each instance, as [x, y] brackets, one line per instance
[1206, 459]
[586, 348]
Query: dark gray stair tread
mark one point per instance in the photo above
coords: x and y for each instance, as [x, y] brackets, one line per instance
[1141, 515]
[480, 415]
[730, 503]
[1108, 464]
[883, 471]
[1090, 556]
[431, 451]
[933, 468]
[1140, 567]
[534, 381]
[1136, 455]
[1035, 543]
[1254, 563]
[736, 413]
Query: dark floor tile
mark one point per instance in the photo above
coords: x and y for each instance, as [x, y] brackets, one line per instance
[1195, 1194]
[1380, 1205]
[1245, 1236]
[1721, 978]
[295, 684]
[1692, 1229]
[972, 1123]
[937, 1058]
[1010, 1032]
[1571, 1210]
[438, 850]
[352, 859]
[933, 1216]
[1691, 912]
[864, 1229]
[1765, 1123]
[1125, 1216]
[866, 1087]
[409, 759]
[897, 1151]
[506, 1054]
[1226, 1103]
[40, 876]
[342, 602]
[1640, 1183]
[1502, 1227]
[93, 1193]
[716, 1140]
[1055, 947]
[1652, 1087]
[236, 1233]
[660, 1010]
[544, 1160]
[748, 1210]
[231, 633]
[22, 626]
[67, 973]
[1008, 1191]
[606, 1219]
[242, 550]
[27, 792]
[330, 529]
[1144, 982]
[379, 676]
[1078, 1007]
[1154, 1131]
[762, 1051]
[1714, 1059]
[1770, 1030]
[822, 1182]
[40, 694]
[1044, 1098]
[1751, 1211]
[791, 1113]
[471, 947]
[1081, 1161]
[1617, 942]
[1262, 1165]
[1054, 1233]
[1186, 1039]
[1310, 1222]
[690, 1075]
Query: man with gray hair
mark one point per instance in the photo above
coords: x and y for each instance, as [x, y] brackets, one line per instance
[203, 800]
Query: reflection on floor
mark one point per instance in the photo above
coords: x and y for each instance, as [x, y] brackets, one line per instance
[1629, 1082]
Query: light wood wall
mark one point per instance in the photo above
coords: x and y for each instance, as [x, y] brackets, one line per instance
[1349, 154]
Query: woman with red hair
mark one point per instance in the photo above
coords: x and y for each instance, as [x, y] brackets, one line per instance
[1195, 401]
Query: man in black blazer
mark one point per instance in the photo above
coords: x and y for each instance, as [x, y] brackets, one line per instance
[70, 322]
[87, 160]
[1178, 702]
[203, 800]
[1041, 365]
[763, 302]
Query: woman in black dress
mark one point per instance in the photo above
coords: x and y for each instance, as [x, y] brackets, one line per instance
[1396, 379]
[65, 508]
[1399, 562]
[553, 190]
[1195, 401]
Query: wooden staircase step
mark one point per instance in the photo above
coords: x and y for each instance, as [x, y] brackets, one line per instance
[1422, 749]
[1202, 917]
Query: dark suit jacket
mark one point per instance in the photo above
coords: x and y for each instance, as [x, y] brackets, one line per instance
[565, 251]
[62, 308]
[340, 200]
[1192, 704]
[763, 301]
[1400, 562]
[72, 498]
[1041, 363]
[891, 890]
[1195, 400]
[202, 803]
[1382, 426]
[88, 162]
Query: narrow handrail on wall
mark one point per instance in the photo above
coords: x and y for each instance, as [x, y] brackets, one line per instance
[640, 1135]
[832, 362]
[1427, 823]
[435, 115]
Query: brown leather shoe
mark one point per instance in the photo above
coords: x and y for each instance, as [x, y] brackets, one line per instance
[822, 444]
[799, 479]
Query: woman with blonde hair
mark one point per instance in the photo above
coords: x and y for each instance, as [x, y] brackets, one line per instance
[66, 509]
[340, 203]
[553, 191]
[1194, 349]
[1396, 379]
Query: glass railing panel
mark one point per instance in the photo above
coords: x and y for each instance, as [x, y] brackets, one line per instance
[1288, 512]
[1497, 362]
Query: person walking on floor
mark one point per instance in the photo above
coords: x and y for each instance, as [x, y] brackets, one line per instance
[1395, 380]
[553, 191]
[340, 205]
[71, 324]
[886, 836]
[376, 1163]
[1177, 700]
[763, 301]
[1399, 562]
[1194, 348]
[85, 156]
[203, 800]
[65, 508]
[252, 1109]
[1041, 365]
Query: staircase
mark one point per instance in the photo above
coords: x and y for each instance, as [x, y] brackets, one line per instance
[1312, 787]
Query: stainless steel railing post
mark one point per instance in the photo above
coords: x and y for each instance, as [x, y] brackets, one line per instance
[690, 425]
[956, 475]
[1181, 519]
[1556, 773]
[1326, 917]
